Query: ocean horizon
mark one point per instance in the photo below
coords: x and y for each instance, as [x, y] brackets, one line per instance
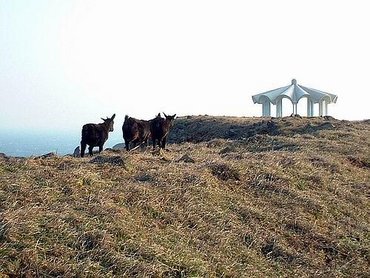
[35, 143]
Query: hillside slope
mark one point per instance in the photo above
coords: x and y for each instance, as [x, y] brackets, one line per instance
[235, 197]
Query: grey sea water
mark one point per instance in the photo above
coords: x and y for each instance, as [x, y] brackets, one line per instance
[34, 143]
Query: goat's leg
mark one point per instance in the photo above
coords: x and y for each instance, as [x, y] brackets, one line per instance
[135, 142]
[127, 145]
[83, 148]
[100, 148]
[91, 150]
[164, 142]
[154, 143]
[144, 144]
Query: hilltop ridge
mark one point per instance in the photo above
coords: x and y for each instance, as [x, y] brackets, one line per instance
[233, 197]
[204, 128]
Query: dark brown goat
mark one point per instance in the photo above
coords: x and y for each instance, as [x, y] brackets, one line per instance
[135, 131]
[159, 129]
[95, 135]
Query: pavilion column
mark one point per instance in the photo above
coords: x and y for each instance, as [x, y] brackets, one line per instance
[312, 108]
[326, 108]
[309, 108]
[321, 108]
[279, 108]
[295, 109]
[266, 109]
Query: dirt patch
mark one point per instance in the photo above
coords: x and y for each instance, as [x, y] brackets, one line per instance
[269, 182]
[321, 162]
[145, 177]
[359, 162]
[186, 158]
[224, 172]
[271, 250]
[114, 160]
[265, 143]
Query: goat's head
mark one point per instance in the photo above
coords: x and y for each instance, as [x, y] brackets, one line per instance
[109, 122]
[170, 118]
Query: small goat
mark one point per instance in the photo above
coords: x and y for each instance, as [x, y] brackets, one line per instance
[159, 129]
[135, 131]
[95, 135]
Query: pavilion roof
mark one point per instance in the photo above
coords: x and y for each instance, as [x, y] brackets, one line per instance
[294, 92]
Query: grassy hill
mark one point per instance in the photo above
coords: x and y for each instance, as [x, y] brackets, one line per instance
[233, 197]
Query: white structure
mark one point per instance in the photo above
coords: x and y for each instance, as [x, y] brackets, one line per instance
[294, 93]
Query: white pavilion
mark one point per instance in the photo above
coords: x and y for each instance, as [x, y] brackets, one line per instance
[294, 93]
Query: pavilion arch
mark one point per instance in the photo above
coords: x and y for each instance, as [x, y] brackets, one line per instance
[279, 104]
[305, 101]
[294, 93]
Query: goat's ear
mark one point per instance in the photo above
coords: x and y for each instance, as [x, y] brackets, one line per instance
[174, 116]
[103, 119]
[114, 115]
[164, 114]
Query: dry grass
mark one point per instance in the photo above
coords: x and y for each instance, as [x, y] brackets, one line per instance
[293, 201]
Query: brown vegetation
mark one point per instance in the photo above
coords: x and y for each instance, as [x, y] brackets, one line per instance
[252, 198]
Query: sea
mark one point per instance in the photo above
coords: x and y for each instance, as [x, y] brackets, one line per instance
[35, 143]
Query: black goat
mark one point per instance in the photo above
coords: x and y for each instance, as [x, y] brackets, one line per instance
[159, 129]
[95, 135]
[136, 131]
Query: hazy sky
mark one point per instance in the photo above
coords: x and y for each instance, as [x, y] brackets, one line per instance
[64, 63]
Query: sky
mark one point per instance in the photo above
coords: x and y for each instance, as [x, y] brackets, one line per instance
[64, 63]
